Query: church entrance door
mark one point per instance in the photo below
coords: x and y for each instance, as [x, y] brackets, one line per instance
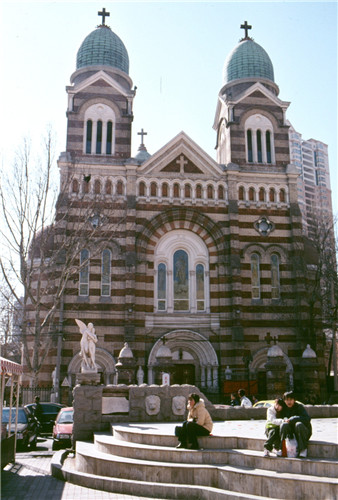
[184, 374]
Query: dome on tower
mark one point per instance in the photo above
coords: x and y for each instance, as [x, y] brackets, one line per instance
[102, 47]
[247, 60]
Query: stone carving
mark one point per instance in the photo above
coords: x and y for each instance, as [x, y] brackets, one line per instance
[140, 375]
[178, 405]
[88, 347]
[153, 404]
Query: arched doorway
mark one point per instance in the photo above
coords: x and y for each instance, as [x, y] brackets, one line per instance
[105, 366]
[194, 360]
[258, 371]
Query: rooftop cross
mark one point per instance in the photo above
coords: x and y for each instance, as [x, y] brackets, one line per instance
[142, 133]
[246, 27]
[104, 14]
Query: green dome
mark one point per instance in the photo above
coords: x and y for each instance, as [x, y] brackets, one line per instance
[247, 60]
[103, 48]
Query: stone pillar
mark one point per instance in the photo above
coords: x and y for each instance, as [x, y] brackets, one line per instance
[309, 369]
[126, 366]
[87, 405]
[275, 373]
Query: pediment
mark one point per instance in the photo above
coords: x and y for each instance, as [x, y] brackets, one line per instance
[102, 79]
[260, 91]
[181, 157]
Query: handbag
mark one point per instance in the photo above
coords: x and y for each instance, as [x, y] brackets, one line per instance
[291, 447]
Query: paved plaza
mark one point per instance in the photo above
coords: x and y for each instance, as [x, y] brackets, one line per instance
[29, 478]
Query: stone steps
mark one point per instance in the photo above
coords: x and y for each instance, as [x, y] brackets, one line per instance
[231, 456]
[142, 460]
[244, 480]
[315, 448]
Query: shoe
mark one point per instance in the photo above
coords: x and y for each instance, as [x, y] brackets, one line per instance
[266, 453]
[279, 453]
[303, 453]
[181, 445]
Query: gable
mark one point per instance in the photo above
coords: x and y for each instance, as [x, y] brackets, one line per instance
[181, 164]
[181, 156]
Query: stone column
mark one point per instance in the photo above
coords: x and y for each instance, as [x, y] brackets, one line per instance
[275, 373]
[87, 405]
[126, 366]
[309, 369]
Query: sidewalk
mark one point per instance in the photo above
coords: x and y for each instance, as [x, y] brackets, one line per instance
[29, 478]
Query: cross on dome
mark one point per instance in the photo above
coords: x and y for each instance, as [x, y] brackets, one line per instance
[104, 14]
[142, 133]
[246, 27]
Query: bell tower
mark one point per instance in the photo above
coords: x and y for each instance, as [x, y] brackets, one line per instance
[100, 99]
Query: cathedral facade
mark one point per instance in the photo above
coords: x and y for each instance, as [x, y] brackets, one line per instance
[196, 265]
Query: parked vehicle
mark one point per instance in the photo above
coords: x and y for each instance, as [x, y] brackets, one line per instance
[49, 414]
[63, 429]
[267, 403]
[27, 430]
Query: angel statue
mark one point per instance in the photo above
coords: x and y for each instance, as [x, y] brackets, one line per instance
[88, 342]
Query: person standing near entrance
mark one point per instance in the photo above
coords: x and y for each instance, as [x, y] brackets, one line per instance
[244, 400]
[198, 423]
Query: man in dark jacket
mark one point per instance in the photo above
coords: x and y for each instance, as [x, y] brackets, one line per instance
[296, 422]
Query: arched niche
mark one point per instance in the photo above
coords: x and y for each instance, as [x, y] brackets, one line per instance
[104, 361]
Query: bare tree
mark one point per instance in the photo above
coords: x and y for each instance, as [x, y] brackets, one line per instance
[42, 239]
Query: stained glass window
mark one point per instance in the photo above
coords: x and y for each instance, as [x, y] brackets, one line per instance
[106, 273]
[181, 281]
[162, 287]
[255, 277]
[84, 273]
[200, 287]
[275, 285]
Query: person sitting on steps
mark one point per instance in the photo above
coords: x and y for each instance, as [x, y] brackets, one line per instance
[198, 423]
[274, 420]
[296, 422]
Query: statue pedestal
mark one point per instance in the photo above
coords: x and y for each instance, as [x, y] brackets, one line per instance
[88, 378]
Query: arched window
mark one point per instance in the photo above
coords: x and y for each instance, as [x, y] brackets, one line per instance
[198, 191]
[220, 193]
[182, 263]
[252, 194]
[272, 195]
[200, 291]
[84, 273]
[99, 137]
[275, 283]
[176, 190]
[187, 191]
[109, 138]
[99, 130]
[162, 287]
[259, 139]
[261, 194]
[105, 273]
[142, 189]
[75, 186]
[89, 131]
[86, 186]
[153, 189]
[268, 146]
[165, 190]
[249, 145]
[282, 195]
[119, 187]
[97, 187]
[259, 146]
[255, 277]
[181, 281]
[210, 192]
[108, 188]
[241, 193]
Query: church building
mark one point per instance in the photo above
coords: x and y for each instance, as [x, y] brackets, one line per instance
[197, 265]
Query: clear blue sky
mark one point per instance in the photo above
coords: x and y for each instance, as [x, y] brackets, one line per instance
[176, 51]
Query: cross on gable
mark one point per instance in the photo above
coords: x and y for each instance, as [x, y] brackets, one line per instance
[142, 133]
[246, 27]
[104, 14]
[181, 162]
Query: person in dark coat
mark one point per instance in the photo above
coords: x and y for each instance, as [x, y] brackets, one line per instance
[296, 421]
[234, 400]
